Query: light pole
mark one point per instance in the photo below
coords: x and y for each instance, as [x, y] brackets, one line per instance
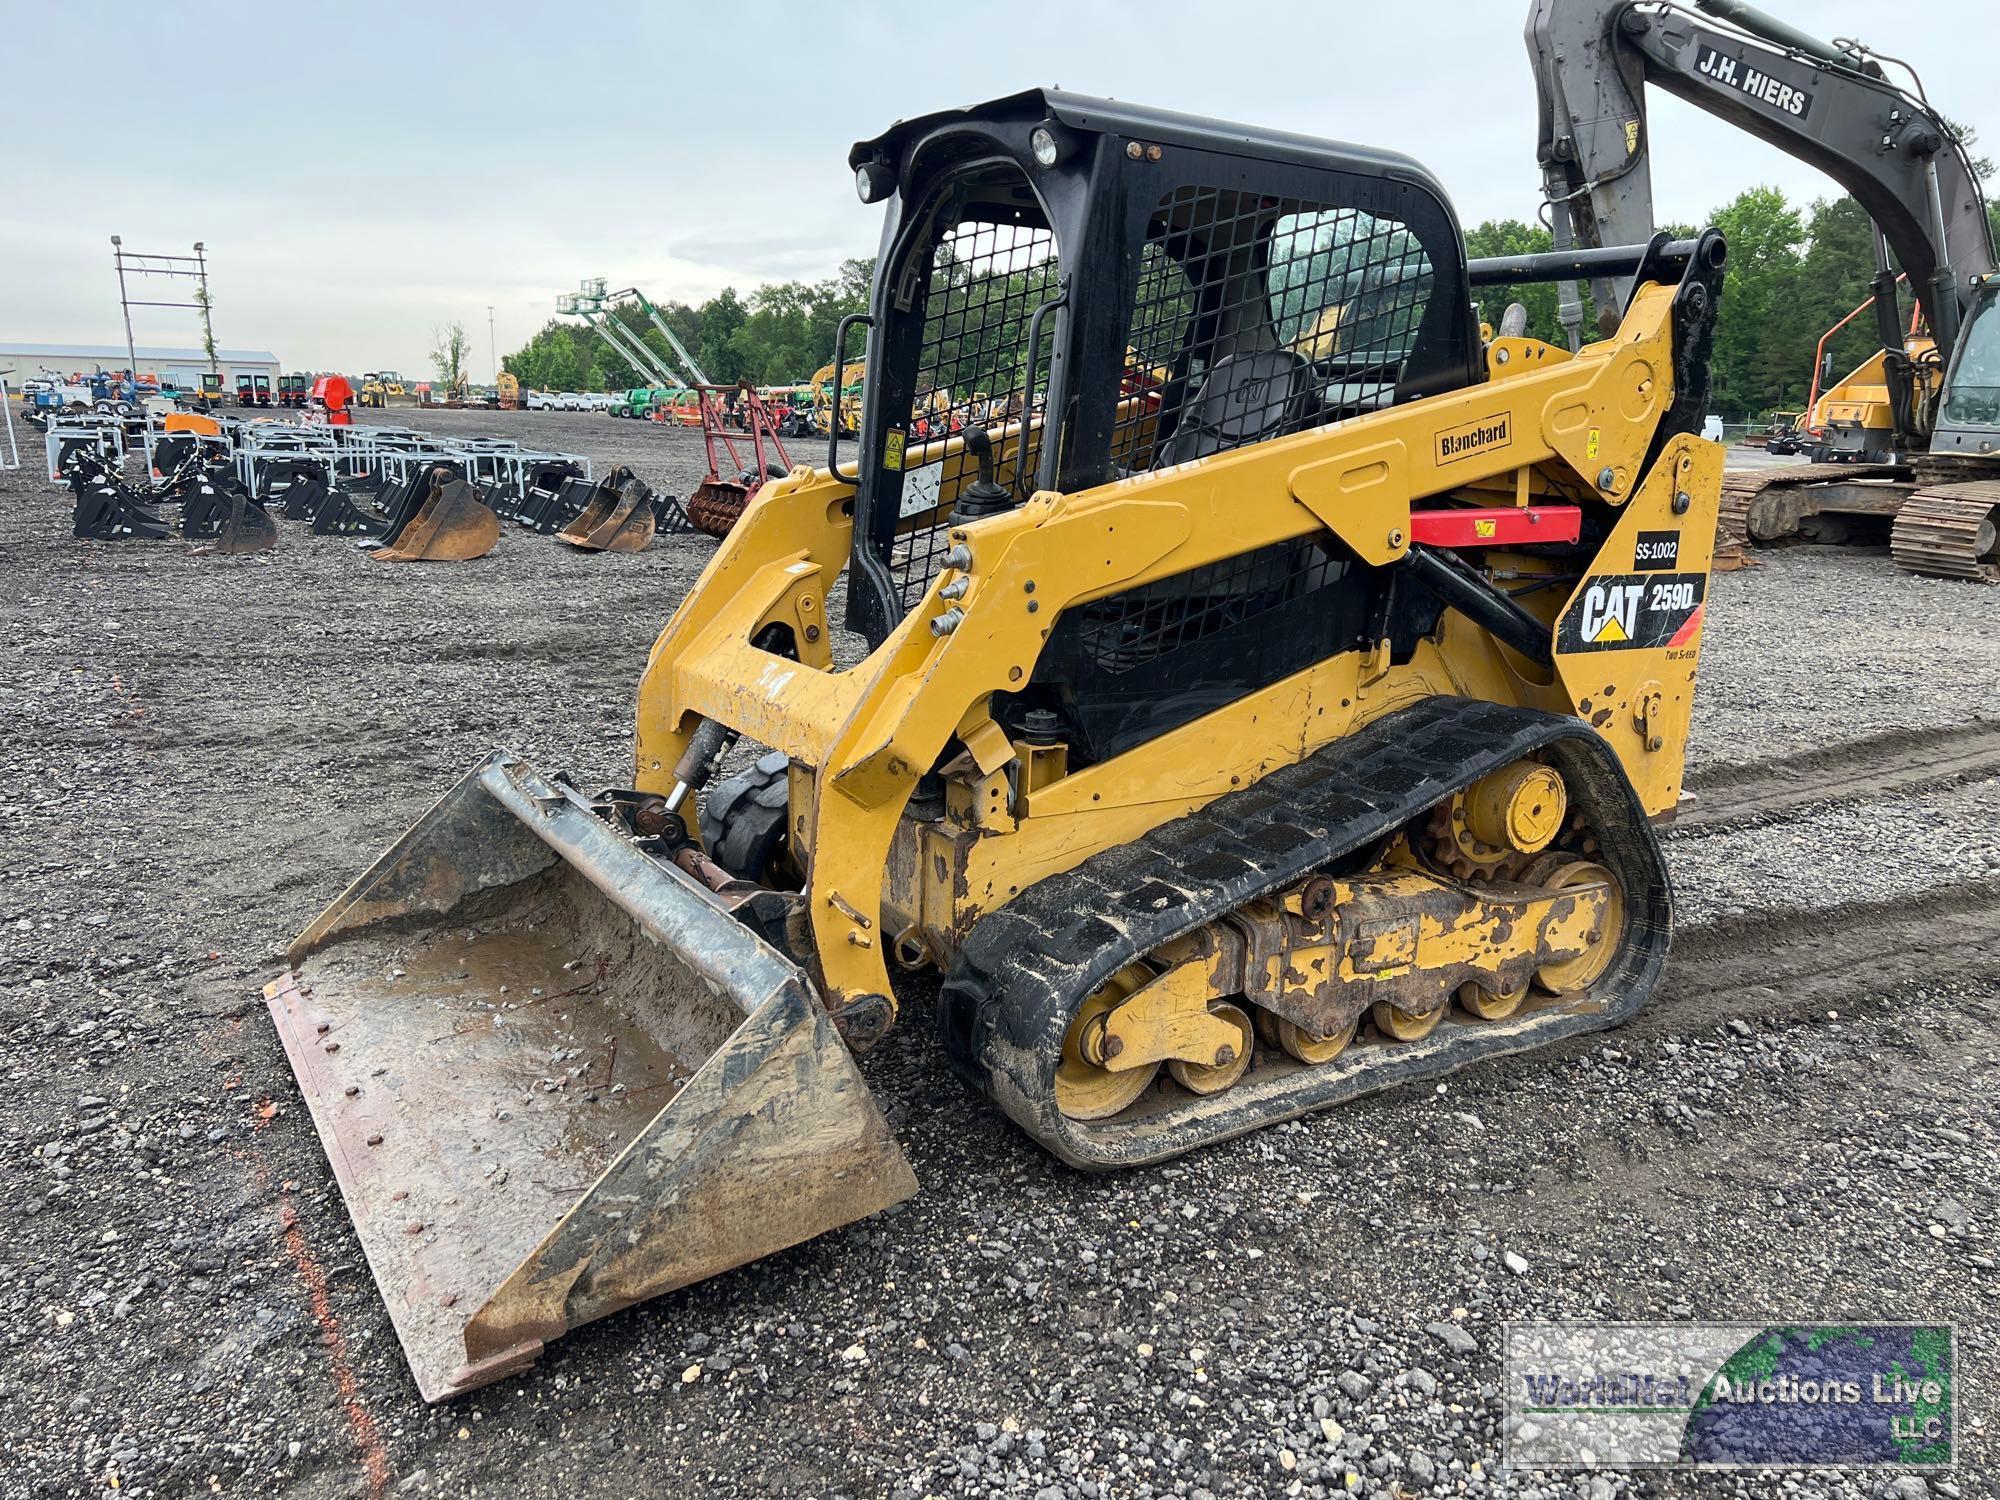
[492, 347]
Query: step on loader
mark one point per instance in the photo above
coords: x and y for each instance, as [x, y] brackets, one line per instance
[619, 518]
[438, 517]
[1232, 743]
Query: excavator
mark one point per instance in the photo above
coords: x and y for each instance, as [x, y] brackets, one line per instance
[1226, 748]
[1915, 432]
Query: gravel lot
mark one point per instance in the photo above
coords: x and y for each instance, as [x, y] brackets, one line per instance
[203, 751]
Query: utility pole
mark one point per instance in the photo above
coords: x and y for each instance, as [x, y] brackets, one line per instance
[125, 306]
[492, 345]
[195, 268]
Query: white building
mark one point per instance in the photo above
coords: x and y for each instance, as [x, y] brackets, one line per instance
[177, 367]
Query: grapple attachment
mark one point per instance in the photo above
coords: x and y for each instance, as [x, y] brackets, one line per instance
[449, 524]
[106, 509]
[619, 518]
[342, 513]
[555, 1077]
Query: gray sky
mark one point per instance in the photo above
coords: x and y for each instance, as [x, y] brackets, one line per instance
[364, 171]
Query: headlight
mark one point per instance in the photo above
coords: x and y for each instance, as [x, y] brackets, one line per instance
[873, 181]
[1042, 141]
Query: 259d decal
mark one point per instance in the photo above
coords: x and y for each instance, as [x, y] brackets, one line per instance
[1633, 611]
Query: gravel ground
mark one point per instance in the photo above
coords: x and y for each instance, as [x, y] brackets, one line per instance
[203, 751]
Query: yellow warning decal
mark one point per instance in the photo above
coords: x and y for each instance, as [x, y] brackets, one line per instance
[1485, 528]
[892, 450]
[1590, 444]
[1631, 136]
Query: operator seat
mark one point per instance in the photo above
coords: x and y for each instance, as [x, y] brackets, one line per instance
[1243, 398]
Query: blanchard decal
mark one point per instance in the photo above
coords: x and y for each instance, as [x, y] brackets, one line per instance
[1758, 82]
[1632, 612]
[1657, 551]
[1481, 435]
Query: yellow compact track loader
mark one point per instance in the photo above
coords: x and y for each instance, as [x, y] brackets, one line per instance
[1282, 726]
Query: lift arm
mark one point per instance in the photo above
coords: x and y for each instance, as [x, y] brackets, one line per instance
[1828, 104]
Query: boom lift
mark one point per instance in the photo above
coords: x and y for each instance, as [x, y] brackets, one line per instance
[1233, 745]
[1928, 461]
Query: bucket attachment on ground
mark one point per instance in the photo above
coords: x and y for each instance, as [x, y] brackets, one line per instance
[555, 1076]
[449, 523]
[303, 498]
[533, 505]
[670, 517]
[106, 509]
[545, 509]
[349, 512]
[219, 513]
[619, 517]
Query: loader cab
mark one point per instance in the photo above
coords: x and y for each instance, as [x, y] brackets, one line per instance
[1106, 289]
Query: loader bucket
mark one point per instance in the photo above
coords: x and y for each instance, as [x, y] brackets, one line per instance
[619, 517]
[554, 1077]
[451, 525]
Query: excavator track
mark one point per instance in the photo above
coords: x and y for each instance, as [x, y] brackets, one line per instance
[1950, 531]
[1742, 522]
[1028, 969]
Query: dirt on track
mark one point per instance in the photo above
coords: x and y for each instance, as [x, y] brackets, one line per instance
[201, 753]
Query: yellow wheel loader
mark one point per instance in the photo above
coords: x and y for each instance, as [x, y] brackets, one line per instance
[1232, 743]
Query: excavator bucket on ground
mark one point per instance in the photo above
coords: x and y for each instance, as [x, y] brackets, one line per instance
[450, 523]
[619, 518]
[219, 513]
[556, 1076]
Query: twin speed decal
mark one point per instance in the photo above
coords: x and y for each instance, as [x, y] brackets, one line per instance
[1633, 611]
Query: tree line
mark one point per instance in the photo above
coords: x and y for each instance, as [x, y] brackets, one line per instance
[782, 333]
[1793, 272]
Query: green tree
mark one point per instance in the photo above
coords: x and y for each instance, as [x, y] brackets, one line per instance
[448, 354]
[1512, 237]
[1761, 328]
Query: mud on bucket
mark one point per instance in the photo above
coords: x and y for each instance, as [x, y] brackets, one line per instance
[554, 1077]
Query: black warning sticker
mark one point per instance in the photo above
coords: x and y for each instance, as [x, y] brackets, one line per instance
[1631, 611]
[1657, 551]
[1755, 79]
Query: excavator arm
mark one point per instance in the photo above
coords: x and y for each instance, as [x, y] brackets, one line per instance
[1828, 104]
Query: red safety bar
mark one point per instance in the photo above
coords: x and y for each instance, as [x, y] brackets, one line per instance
[1500, 526]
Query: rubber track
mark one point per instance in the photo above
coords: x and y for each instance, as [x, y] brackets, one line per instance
[1937, 531]
[1027, 967]
[1882, 765]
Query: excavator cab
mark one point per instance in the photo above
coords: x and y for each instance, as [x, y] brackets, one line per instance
[1250, 663]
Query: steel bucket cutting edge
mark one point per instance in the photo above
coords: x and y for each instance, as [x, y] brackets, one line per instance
[555, 1077]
